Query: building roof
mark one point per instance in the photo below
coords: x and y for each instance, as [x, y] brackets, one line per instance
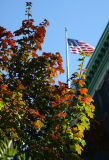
[99, 63]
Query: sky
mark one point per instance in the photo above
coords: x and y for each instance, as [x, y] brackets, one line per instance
[85, 21]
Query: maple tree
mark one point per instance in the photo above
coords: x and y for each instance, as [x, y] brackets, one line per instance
[44, 120]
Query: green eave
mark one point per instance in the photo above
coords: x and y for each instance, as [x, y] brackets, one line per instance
[99, 63]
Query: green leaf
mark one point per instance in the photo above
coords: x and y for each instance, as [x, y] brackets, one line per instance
[71, 135]
[1, 105]
[83, 142]
[7, 99]
[72, 148]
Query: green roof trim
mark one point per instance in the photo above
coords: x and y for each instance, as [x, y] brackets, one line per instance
[99, 63]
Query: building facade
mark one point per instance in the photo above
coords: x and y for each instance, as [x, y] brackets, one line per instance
[98, 87]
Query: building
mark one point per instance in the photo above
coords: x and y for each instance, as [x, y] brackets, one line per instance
[98, 88]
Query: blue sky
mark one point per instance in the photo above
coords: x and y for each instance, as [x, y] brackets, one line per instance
[85, 21]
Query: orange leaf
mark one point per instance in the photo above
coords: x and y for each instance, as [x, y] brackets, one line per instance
[12, 43]
[15, 135]
[75, 129]
[21, 102]
[83, 91]
[87, 99]
[4, 87]
[64, 114]
[84, 76]
[54, 104]
[68, 97]
[21, 86]
[47, 149]
[80, 98]
[10, 120]
[60, 100]
[84, 70]
[63, 92]
[81, 135]
[61, 114]
[81, 83]
[68, 130]
[36, 112]
[6, 108]
[13, 129]
[34, 54]
[75, 81]
[67, 103]
[93, 107]
[6, 69]
[51, 81]
[57, 127]
[61, 84]
[54, 137]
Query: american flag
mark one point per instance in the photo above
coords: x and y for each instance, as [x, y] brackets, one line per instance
[77, 46]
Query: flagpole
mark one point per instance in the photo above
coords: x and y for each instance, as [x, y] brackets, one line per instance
[67, 59]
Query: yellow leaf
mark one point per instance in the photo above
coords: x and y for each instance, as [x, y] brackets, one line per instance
[1, 105]
[90, 114]
[68, 130]
[77, 74]
[13, 95]
[81, 128]
[81, 65]
[76, 138]
[88, 55]
[78, 148]
[28, 53]
[38, 124]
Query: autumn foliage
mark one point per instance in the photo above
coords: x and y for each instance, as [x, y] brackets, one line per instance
[45, 120]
